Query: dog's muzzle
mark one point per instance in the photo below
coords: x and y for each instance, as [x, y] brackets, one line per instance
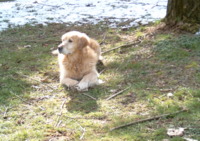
[60, 49]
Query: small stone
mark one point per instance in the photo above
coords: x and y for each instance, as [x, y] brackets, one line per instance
[175, 132]
[170, 95]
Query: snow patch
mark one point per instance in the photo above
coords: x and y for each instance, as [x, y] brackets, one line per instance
[21, 12]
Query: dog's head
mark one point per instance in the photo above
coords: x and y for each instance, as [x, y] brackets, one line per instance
[73, 41]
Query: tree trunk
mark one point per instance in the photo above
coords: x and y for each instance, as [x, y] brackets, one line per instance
[182, 11]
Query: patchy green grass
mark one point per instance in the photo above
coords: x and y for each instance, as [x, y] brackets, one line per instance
[33, 106]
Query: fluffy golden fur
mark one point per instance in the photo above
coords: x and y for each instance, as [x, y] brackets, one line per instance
[78, 56]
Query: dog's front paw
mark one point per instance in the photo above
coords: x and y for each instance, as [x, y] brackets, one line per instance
[82, 86]
[69, 82]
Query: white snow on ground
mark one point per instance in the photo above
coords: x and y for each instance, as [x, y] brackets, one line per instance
[21, 12]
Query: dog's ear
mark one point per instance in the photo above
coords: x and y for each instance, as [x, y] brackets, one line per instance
[83, 42]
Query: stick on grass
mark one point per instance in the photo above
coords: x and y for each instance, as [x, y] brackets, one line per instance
[114, 95]
[35, 80]
[58, 121]
[6, 111]
[89, 96]
[122, 46]
[147, 119]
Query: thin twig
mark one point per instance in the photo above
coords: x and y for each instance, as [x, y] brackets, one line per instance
[58, 119]
[25, 100]
[41, 108]
[6, 111]
[19, 97]
[36, 81]
[148, 119]
[104, 37]
[4, 114]
[122, 46]
[60, 114]
[84, 130]
[114, 95]
[59, 123]
[81, 137]
[61, 107]
[162, 90]
[102, 71]
[89, 96]
[166, 90]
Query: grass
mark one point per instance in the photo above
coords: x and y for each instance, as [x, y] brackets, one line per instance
[33, 106]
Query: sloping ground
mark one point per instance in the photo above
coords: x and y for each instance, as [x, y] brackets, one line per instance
[157, 75]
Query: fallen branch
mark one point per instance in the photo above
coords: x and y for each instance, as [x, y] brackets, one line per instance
[148, 119]
[114, 95]
[122, 46]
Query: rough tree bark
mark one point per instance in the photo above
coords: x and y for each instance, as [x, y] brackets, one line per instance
[183, 11]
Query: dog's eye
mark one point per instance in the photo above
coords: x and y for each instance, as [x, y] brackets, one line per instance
[70, 40]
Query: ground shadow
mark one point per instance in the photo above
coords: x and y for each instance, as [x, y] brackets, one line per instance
[81, 103]
[22, 55]
[84, 102]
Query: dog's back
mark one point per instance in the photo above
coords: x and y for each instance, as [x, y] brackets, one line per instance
[96, 47]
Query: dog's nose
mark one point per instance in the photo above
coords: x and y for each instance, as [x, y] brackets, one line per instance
[60, 49]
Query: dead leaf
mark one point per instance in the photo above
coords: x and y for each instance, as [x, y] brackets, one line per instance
[27, 46]
[165, 140]
[45, 80]
[113, 90]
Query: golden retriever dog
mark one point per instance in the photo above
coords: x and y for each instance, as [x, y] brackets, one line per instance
[77, 57]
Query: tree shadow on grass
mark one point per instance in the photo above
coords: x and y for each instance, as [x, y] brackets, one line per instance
[173, 65]
[11, 88]
[12, 85]
[19, 61]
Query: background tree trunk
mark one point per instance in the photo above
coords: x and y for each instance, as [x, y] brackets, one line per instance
[182, 11]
